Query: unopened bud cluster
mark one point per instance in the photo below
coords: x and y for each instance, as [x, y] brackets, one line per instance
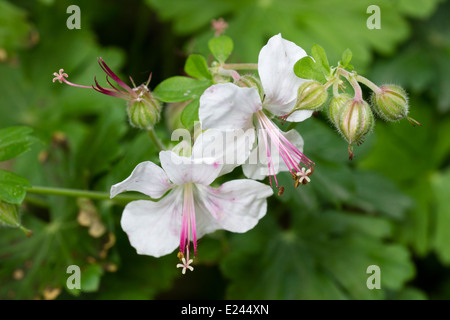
[351, 115]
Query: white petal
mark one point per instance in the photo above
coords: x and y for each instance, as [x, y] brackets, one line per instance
[235, 206]
[153, 228]
[300, 115]
[276, 69]
[147, 178]
[257, 164]
[227, 106]
[230, 148]
[183, 170]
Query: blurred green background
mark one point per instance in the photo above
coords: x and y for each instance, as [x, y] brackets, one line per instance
[388, 207]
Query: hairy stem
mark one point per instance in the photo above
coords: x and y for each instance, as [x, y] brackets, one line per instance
[241, 66]
[96, 195]
[158, 144]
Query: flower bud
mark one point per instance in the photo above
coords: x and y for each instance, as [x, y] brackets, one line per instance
[390, 103]
[250, 81]
[335, 106]
[355, 121]
[144, 112]
[311, 95]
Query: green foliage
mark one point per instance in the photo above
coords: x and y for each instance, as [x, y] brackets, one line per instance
[336, 25]
[197, 67]
[221, 47]
[180, 88]
[14, 29]
[12, 187]
[190, 113]
[14, 141]
[427, 57]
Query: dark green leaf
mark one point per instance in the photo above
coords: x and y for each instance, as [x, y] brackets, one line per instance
[440, 183]
[90, 278]
[12, 187]
[14, 141]
[190, 113]
[9, 214]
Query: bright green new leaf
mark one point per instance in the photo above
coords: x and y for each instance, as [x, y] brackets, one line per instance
[221, 47]
[12, 187]
[190, 113]
[319, 55]
[14, 141]
[179, 88]
[306, 68]
[346, 57]
[197, 67]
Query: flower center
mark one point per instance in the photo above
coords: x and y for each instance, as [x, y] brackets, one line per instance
[291, 155]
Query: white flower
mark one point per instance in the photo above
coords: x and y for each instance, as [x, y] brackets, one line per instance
[229, 107]
[190, 209]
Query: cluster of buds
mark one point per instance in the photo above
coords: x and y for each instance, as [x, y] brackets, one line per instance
[143, 108]
[352, 116]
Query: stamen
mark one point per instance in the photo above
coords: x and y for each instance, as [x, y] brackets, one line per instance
[290, 154]
[188, 225]
[61, 77]
[185, 261]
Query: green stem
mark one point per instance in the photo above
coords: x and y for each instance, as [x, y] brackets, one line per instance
[351, 77]
[96, 195]
[158, 144]
[372, 86]
[241, 66]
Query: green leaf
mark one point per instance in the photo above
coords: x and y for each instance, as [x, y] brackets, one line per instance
[14, 27]
[14, 141]
[190, 113]
[221, 47]
[12, 187]
[323, 255]
[306, 68]
[440, 183]
[197, 67]
[90, 278]
[304, 23]
[9, 214]
[346, 57]
[179, 88]
[319, 55]
[379, 195]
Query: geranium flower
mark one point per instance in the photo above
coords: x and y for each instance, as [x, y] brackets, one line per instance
[227, 106]
[190, 209]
